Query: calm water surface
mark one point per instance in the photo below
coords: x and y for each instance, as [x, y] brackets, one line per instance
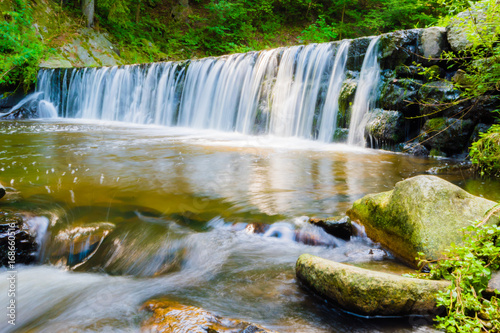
[173, 205]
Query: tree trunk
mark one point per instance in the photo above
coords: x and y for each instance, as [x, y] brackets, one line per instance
[88, 11]
[138, 11]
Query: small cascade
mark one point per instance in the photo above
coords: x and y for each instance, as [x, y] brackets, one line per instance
[33, 106]
[365, 97]
[284, 92]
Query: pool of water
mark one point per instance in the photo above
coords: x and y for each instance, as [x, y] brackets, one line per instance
[174, 205]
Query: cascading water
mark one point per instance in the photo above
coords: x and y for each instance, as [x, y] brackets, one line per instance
[295, 93]
[365, 94]
[285, 92]
[331, 107]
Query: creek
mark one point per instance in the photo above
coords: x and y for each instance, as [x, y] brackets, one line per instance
[179, 200]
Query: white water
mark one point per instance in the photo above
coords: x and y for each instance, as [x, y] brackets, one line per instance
[365, 97]
[285, 92]
[35, 101]
[331, 108]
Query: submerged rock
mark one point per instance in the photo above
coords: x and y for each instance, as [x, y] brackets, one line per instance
[367, 292]
[75, 245]
[422, 214]
[306, 235]
[339, 227]
[174, 317]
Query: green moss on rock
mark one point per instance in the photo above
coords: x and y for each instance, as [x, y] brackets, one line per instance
[422, 214]
[368, 292]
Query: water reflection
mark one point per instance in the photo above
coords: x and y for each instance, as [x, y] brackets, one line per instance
[92, 164]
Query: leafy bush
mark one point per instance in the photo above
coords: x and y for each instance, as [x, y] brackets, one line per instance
[319, 32]
[21, 48]
[485, 153]
[469, 268]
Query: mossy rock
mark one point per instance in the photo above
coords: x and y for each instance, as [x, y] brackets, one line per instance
[346, 98]
[422, 214]
[401, 95]
[434, 95]
[459, 31]
[340, 135]
[367, 292]
[397, 48]
[385, 127]
[449, 135]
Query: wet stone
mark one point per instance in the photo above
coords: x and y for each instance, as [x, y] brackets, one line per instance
[416, 149]
[494, 285]
[73, 246]
[339, 227]
[13, 229]
[168, 316]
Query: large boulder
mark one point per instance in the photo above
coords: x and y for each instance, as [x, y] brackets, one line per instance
[368, 292]
[168, 316]
[422, 214]
[466, 26]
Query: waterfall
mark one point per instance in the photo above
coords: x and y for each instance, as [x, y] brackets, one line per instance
[331, 107]
[286, 92]
[365, 94]
[295, 93]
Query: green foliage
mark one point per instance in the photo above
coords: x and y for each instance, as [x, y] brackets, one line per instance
[401, 14]
[319, 32]
[482, 63]
[469, 268]
[215, 27]
[21, 50]
[485, 153]
[481, 75]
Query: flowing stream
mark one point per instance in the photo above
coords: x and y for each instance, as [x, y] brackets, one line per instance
[193, 181]
[141, 212]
